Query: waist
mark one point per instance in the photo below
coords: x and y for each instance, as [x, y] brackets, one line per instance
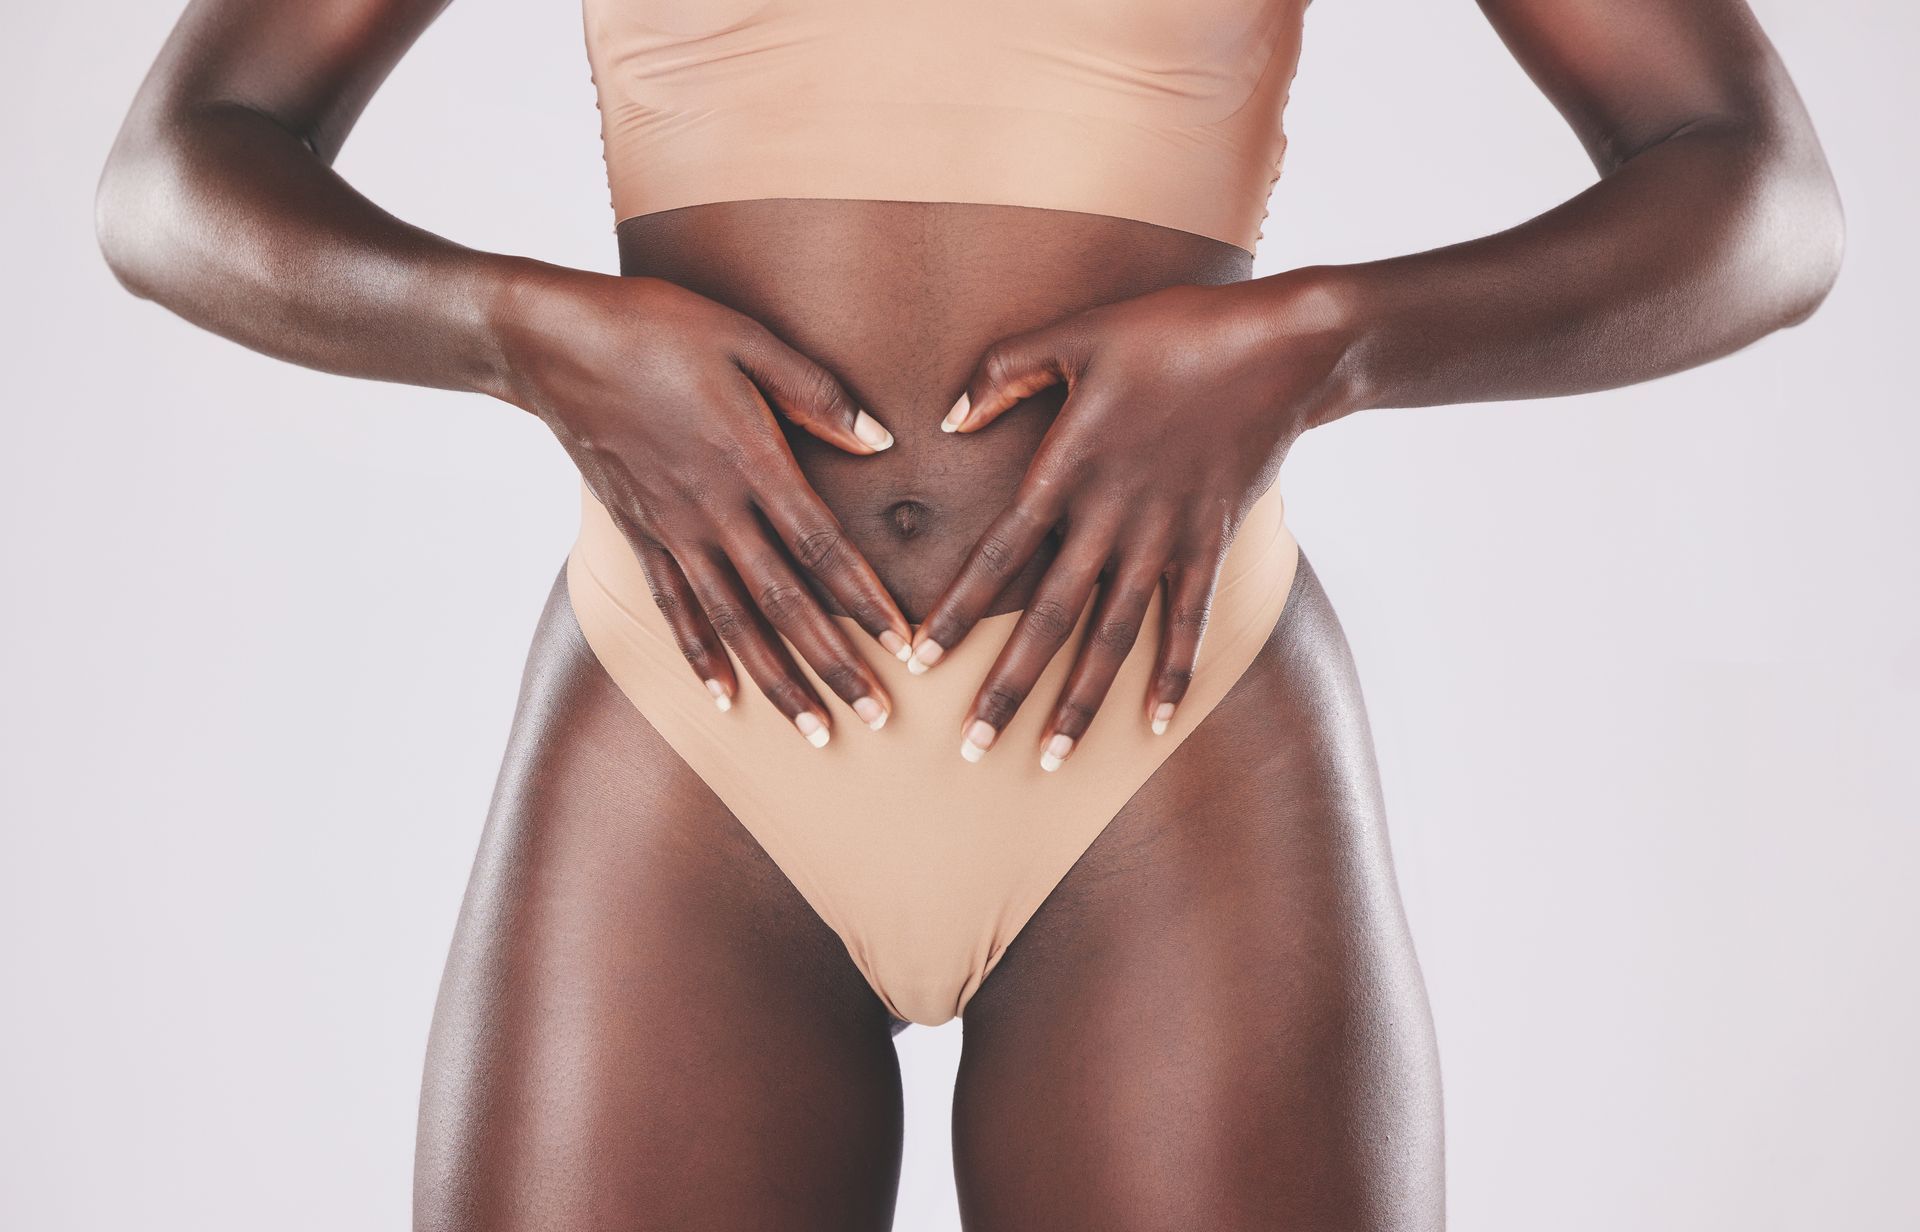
[899, 300]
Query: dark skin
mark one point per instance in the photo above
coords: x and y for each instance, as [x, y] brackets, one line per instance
[1215, 1020]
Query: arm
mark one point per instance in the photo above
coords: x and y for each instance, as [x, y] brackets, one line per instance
[1714, 222]
[219, 201]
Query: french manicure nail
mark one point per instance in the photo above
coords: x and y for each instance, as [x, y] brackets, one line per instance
[954, 416]
[1055, 753]
[812, 728]
[895, 645]
[979, 739]
[871, 712]
[1162, 715]
[925, 655]
[720, 698]
[871, 434]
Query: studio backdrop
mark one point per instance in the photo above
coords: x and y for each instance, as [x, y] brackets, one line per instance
[1643, 667]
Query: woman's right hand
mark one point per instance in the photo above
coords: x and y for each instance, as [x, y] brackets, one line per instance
[662, 398]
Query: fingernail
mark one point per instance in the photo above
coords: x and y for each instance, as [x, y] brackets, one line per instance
[871, 434]
[812, 728]
[895, 645]
[871, 712]
[720, 698]
[925, 655]
[1162, 715]
[979, 739]
[954, 416]
[1055, 753]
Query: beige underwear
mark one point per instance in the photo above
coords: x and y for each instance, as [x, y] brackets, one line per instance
[1165, 112]
[926, 866]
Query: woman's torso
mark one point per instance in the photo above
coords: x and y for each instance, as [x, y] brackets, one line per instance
[899, 300]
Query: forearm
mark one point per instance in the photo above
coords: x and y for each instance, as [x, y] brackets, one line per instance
[1689, 250]
[236, 224]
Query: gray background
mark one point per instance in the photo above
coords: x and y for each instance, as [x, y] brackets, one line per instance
[1642, 668]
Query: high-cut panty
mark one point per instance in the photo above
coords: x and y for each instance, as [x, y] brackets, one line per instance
[926, 867]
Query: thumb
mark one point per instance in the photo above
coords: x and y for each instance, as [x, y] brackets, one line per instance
[808, 395]
[1013, 370]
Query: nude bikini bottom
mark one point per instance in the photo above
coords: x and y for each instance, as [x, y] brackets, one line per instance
[926, 866]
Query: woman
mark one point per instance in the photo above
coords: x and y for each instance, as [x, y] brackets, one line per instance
[937, 400]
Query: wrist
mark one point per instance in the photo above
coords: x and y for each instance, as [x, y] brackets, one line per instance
[1323, 317]
[520, 300]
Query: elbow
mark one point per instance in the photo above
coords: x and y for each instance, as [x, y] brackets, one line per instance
[1796, 226]
[137, 215]
[1778, 233]
[1815, 247]
[119, 223]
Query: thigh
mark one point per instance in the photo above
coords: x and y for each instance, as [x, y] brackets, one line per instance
[642, 1024]
[1216, 1021]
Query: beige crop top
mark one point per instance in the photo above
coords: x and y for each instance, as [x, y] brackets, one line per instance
[1165, 111]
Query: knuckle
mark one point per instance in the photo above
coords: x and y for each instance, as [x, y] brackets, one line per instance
[786, 694]
[999, 704]
[1073, 717]
[728, 621]
[865, 612]
[1049, 620]
[687, 487]
[817, 389]
[945, 628]
[844, 678]
[780, 600]
[1173, 679]
[1116, 633]
[1192, 617]
[1205, 545]
[1047, 475]
[997, 554]
[666, 598]
[999, 364]
[737, 456]
[818, 548]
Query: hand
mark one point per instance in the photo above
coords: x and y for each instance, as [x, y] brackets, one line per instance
[1180, 407]
[661, 398]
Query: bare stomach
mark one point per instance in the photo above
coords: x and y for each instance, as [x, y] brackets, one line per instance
[899, 300]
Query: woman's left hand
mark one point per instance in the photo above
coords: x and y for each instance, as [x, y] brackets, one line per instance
[1180, 406]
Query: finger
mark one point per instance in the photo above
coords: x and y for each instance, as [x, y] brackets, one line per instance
[996, 559]
[1190, 585]
[692, 631]
[747, 633]
[1013, 370]
[1043, 628]
[820, 545]
[1111, 634]
[809, 395]
[786, 603]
